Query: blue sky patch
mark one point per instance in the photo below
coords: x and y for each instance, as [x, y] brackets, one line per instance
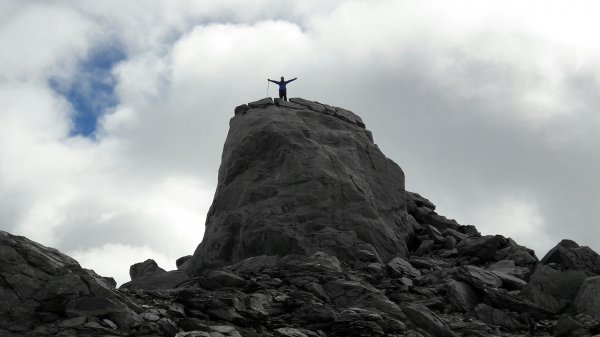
[91, 92]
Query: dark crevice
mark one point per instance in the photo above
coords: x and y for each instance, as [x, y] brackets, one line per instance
[370, 158]
[11, 288]
[342, 197]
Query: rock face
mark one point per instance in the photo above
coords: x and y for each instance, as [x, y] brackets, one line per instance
[311, 234]
[569, 255]
[44, 292]
[302, 178]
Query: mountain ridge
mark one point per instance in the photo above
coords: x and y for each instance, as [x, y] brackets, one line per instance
[311, 234]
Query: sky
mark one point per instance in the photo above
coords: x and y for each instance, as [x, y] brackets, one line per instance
[113, 114]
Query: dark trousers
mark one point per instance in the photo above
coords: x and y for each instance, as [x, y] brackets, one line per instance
[283, 94]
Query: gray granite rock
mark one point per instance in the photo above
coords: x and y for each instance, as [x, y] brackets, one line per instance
[461, 295]
[522, 255]
[484, 247]
[477, 277]
[509, 282]
[166, 280]
[43, 290]
[216, 279]
[289, 105]
[587, 300]
[428, 320]
[241, 109]
[494, 316]
[315, 106]
[289, 332]
[145, 269]
[569, 255]
[298, 182]
[566, 324]
[309, 236]
[415, 200]
[180, 261]
[261, 103]
[348, 116]
[425, 247]
[399, 267]
[509, 267]
[552, 289]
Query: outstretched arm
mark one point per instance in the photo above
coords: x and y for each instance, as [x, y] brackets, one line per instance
[270, 80]
[293, 79]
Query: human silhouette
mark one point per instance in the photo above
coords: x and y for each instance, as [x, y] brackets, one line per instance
[282, 89]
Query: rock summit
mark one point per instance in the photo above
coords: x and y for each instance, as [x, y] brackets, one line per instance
[311, 234]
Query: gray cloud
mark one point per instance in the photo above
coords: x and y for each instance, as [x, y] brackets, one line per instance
[495, 123]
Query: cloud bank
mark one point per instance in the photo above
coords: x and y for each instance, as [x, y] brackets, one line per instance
[490, 109]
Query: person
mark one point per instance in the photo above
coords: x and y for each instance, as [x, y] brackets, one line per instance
[282, 89]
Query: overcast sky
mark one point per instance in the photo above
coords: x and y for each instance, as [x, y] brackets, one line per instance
[113, 113]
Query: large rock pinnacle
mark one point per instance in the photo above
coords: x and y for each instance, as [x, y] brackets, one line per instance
[301, 177]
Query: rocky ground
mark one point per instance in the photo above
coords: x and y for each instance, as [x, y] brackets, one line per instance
[450, 281]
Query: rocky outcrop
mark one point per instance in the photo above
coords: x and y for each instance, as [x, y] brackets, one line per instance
[148, 275]
[302, 178]
[568, 255]
[552, 289]
[587, 300]
[311, 234]
[44, 292]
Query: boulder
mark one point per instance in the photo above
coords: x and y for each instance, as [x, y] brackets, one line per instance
[298, 182]
[509, 282]
[461, 295]
[145, 269]
[435, 234]
[494, 316]
[217, 279]
[587, 300]
[502, 299]
[241, 109]
[426, 215]
[262, 103]
[522, 255]
[570, 256]
[180, 261]
[415, 200]
[426, 246]
[317, 261]
[44, 290]
[484, 247]
[315, 106]
[348, 116]
[427, 320]
[509, 267]
[455, 234]
[477, 277]
[289, 332]
[166, 280]
[288, 105]
[450, 242]
[552, 289]
[399, 267]
[566, 324]
[194, 334]
[426, 262]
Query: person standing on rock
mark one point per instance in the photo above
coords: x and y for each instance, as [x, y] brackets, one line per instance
[282, 89]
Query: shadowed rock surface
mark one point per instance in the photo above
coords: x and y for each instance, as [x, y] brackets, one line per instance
[43, 292]
[311, 234]
[302, 178]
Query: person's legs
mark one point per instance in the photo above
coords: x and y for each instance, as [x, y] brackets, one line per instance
[285, 95]
[281, 94]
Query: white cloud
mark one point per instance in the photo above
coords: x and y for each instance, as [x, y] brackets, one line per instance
[107, 259]
[512, 216]
[473, 100]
